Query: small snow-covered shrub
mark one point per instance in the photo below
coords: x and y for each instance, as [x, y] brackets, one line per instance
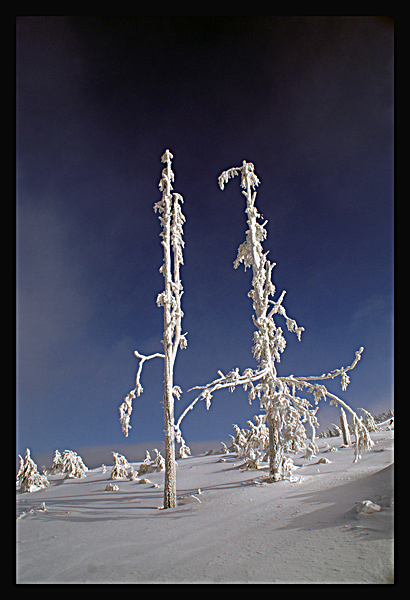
[73, 465]
[146, 465]
[132, 476]
[57, 465]
[310, 451]
[253, 443]
[28, 476]
[225, 449]
[20, 469]
[159, 461]
[369, 420]
[184, 451]
[119, 470]
[111, 487]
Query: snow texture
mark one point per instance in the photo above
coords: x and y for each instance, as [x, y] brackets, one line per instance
[229, 526]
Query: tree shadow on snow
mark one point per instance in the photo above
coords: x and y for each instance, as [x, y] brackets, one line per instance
[337, 507]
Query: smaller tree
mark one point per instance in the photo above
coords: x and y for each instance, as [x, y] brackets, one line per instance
[286, 410]
[159, 461]
[146, 465]
[121, 464]
[369, 420]
[28, 476]
[253, 443]
[57, 462]
[184, 451]
[73, 465]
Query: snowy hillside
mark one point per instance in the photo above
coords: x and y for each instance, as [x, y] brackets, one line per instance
[230, 526]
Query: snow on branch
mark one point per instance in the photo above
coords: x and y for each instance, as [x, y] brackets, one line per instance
[342, 371]
[126, 407]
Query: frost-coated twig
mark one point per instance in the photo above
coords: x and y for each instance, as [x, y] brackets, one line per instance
[333, 374]
[126, 407]
[231, 381]
[138, 387]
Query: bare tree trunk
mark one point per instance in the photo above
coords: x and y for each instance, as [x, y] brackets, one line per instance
[170, 491]
[275, 450]
[345, 428]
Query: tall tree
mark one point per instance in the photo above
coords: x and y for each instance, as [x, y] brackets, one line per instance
[172, 220]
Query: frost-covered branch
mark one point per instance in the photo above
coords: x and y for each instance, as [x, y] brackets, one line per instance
[231, 381]
[345, 380]
[126, 407]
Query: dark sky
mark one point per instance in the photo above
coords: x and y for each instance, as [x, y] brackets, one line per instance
[308, 100]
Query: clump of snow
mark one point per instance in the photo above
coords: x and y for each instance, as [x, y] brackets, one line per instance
[368, 507]
[112, 487]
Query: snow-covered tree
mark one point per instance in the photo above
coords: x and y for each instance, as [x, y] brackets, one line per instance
[159, 461]
[369, 420]
[146, 465]
[286, 411]
[184, 451]
[171, 220]
[253, 443]
[28, 476]
[57, 465]
[20, 469]
[73, 465]
[121, 465]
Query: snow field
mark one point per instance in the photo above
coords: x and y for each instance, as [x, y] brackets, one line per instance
[230, 525]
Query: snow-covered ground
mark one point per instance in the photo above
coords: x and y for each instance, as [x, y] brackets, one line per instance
[230, 526]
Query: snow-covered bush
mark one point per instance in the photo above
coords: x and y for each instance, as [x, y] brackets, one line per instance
[184, 451]
[28, 477]
[112, 487]
[253, 443]
[57, 465]
[132, 476]
[369, 420]
[20, 469]
[121, 465]
[73, 465]
[159, 461]
[286, 411]
[146, 465]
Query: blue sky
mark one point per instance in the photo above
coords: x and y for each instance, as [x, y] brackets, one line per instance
[308, 100]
